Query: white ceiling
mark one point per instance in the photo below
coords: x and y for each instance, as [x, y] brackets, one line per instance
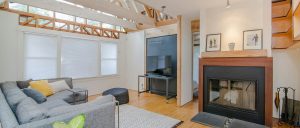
[189, 8]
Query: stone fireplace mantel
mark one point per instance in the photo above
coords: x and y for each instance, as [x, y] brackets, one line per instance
[263, 62]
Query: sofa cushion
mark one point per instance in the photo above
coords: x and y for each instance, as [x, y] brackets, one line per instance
[50, 104]
[28, 111]
[35, 95]
[59, 86]
[13, 94]
[42, 86]
[68, 81]
[68, 96]
[23, 84]
[72, 108]
[7, 117]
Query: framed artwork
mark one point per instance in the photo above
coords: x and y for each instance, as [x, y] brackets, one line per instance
[253, 39]
[213, 42]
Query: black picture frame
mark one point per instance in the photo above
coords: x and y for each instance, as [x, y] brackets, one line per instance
[220, 42]
[261, 39]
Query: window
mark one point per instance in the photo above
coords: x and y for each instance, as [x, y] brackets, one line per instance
[79, 58]
[46, 56]
[109, 53]
[40, 11]
[64, 16]
[94, 23]
[40, 56]
[108, 26]
[80, 20]
[18, 7]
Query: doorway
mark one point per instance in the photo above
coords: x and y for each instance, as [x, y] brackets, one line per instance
[196, 53]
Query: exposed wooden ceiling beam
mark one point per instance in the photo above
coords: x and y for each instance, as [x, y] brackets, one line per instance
[134, 6]
[76, 11]
[108, 7]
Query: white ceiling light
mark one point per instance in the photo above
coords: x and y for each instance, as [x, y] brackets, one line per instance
[228, 4]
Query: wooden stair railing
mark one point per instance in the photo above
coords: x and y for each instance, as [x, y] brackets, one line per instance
[282, 24]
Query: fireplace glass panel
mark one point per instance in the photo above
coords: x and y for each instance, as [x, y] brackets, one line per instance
[233, 93]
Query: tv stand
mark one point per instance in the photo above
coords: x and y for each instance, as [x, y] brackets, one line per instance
[161, 77]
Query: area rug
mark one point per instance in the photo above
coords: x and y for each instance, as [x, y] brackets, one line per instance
[133, 117]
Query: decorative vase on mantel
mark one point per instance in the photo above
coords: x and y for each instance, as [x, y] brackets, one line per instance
[231, 46]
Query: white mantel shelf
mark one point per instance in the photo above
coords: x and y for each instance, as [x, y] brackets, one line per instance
[235, 54]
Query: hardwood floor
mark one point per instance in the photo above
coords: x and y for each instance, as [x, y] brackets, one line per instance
[157, 104]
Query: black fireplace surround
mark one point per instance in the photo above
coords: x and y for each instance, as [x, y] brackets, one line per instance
[256, 74]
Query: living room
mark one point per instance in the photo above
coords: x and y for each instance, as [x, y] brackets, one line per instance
[149, 64]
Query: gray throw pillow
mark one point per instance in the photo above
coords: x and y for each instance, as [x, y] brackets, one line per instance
[28, 111]
[24, 84]
[34, 94]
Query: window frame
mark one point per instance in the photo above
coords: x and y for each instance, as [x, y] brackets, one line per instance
[100, 59]
[61, 57]
[24, 57]
[59, 36]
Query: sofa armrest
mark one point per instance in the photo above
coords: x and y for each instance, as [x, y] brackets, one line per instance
[98, 116]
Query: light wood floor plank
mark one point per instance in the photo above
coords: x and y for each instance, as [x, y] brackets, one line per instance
[157, 104]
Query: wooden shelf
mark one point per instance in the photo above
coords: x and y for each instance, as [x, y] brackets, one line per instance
[235, 54]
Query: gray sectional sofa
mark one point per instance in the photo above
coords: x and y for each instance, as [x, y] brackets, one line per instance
[19, 111]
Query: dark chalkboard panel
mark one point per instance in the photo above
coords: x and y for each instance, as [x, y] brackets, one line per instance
[163, 46]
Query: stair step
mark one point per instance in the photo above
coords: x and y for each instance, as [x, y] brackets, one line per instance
[280, 25]
[282, 40]
[275, 1]
[281, 9]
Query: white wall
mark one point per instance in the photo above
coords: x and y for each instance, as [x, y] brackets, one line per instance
[11, 54]
[8, 46]
[231, 22]
[187, 62]
[286, 72]
[135, 59]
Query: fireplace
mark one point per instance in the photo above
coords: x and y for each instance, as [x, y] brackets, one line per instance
[235, 92]
[239, 88]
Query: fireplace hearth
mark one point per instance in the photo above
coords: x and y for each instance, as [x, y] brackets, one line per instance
[239, 88]
[235, 92]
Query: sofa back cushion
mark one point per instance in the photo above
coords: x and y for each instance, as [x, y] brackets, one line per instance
[7, 117]
[68, 81]
[28, 111]
[59, 86]
[13, 94]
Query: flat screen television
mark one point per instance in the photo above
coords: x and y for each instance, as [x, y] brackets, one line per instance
[161, 65]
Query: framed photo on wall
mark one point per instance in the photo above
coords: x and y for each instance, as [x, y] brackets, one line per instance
[213, 42]
[253, 39]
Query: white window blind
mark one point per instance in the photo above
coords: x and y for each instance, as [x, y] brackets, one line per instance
[79, 58]
[40, 56]
[109, 57]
